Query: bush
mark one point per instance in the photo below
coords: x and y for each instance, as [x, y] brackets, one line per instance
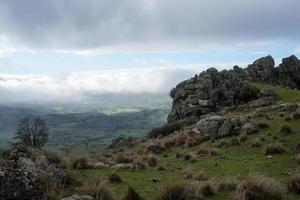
[286, 129]
[274, 149]
[174, 192]
[263, 125]
[257, 187]
[115, 178]
[166, 129]
[207, 151]
[132, 195]
[293, 184]
[247, 93]
[97, 190]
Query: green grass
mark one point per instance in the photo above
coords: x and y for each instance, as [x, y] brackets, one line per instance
[283, 94]
[233, 161]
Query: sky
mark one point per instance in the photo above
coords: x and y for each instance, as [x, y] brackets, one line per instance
[62, 48]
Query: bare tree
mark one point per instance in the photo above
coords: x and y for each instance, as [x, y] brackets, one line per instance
[32, 132]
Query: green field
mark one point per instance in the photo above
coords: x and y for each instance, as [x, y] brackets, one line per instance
[236, 161]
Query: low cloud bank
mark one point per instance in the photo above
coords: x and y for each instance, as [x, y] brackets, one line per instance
[88, 84]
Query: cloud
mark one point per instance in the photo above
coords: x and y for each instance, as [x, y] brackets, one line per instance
[89, 84]
[135, 25]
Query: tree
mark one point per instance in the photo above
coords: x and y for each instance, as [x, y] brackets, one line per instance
[32, 132]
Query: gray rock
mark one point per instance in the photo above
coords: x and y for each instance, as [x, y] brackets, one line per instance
[226, 128]
[210, 125]
[41, 162]
[27, 165]
[249, 128]
[19, 184]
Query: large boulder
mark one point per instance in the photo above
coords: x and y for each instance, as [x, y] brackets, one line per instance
[19, 184]
[27, 165]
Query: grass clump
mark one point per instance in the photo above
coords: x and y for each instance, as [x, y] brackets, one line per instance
[97, 190]
[298, 158]
[204, 150]
[296, 115]
[274, 149]
[286, 129]
[174, 192]
[257, 187]
[293, 184]
[227, 184]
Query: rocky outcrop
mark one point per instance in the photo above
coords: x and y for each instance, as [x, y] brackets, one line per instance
[212, 89]
[216, 126]
[19, 184]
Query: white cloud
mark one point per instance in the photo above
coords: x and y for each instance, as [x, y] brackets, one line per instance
[87, 84]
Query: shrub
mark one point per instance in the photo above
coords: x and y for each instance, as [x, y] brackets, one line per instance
[257, 187]
[97, 190]
[247, 93]
[286, 129]
[132, 195]
[263, 125]
[293, 183]
[207, 151]
[166, 129]
[274, 149]
[115, 178]
[174, 192]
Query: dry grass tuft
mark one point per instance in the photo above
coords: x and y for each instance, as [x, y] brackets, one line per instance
[286, 129]
[97, 190]
[257, 187]
[274, 149]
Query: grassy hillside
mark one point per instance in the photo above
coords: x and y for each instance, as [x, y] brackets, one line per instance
[236, 159]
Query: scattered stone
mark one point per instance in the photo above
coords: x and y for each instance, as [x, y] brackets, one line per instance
[249, 128]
